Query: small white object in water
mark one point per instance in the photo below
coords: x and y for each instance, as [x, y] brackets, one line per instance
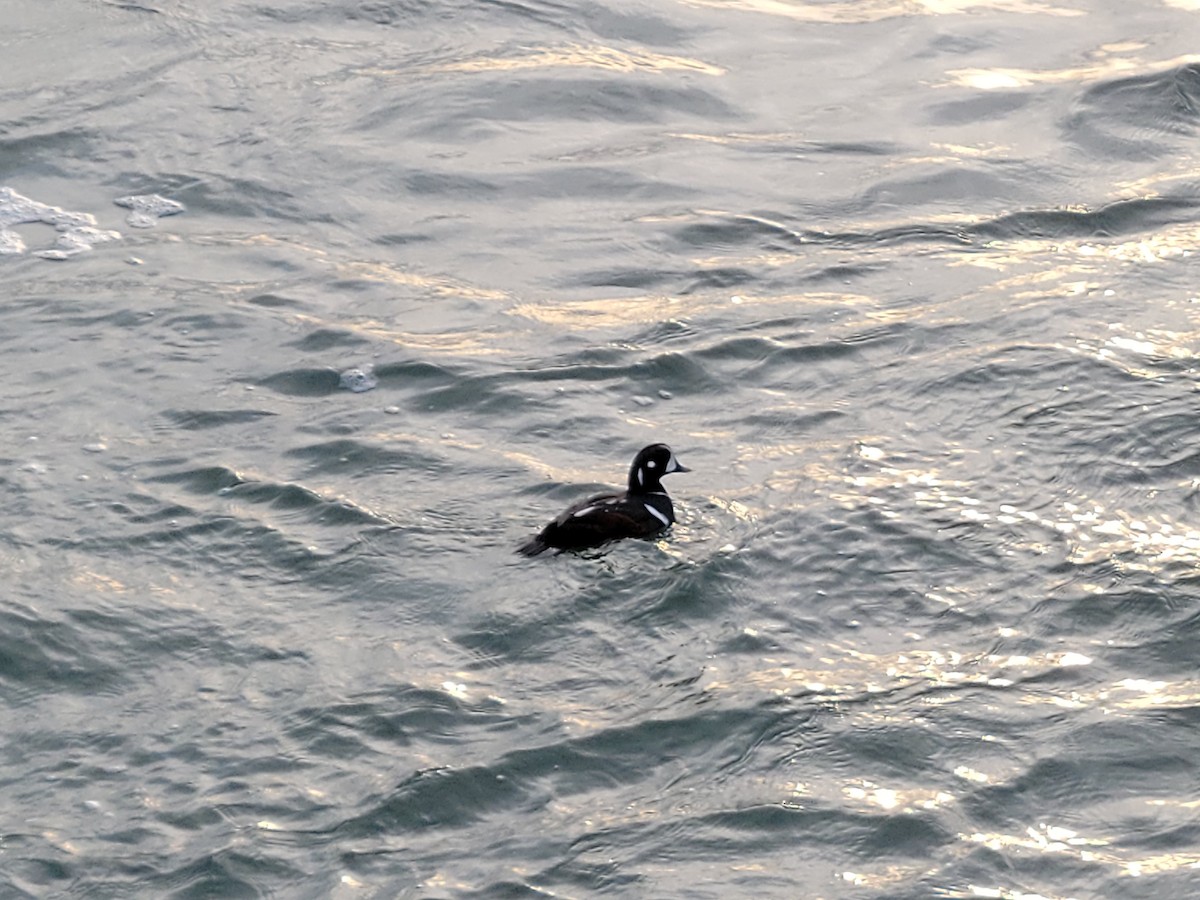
[358, 380]
[77, 239]
[147, 209]
[643, 400]
[10, 243]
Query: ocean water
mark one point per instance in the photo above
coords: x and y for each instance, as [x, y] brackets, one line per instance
[910, 286]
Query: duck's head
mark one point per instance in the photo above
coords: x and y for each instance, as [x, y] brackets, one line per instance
[649, 466]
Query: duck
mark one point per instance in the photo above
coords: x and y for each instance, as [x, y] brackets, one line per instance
[641, 511]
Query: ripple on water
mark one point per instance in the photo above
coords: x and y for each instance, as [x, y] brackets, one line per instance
[1138, 118]
[204, 419]
[48, 654]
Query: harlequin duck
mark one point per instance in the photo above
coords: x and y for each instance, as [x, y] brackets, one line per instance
[641, 511]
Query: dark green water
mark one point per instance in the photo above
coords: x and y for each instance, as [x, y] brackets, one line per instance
[912, 288]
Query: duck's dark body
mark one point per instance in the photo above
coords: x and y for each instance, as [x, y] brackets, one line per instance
[641, 511]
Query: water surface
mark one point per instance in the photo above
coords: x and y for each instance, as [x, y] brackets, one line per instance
[911, 287]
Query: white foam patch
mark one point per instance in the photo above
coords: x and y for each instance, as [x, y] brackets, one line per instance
[654, 512]
[147, 209]
[77, 232]
[358, 380]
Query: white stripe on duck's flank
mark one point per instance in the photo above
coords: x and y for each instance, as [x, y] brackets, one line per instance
[584, 511]
[654, 512]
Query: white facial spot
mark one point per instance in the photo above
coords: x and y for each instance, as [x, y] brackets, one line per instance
[654, 512]
[640, 481]
[651, 464]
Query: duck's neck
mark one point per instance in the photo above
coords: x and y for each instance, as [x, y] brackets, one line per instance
[642, 481]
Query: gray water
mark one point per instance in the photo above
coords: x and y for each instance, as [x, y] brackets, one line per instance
[910, 286]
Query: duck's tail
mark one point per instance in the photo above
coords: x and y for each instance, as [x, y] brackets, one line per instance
[533, 546]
